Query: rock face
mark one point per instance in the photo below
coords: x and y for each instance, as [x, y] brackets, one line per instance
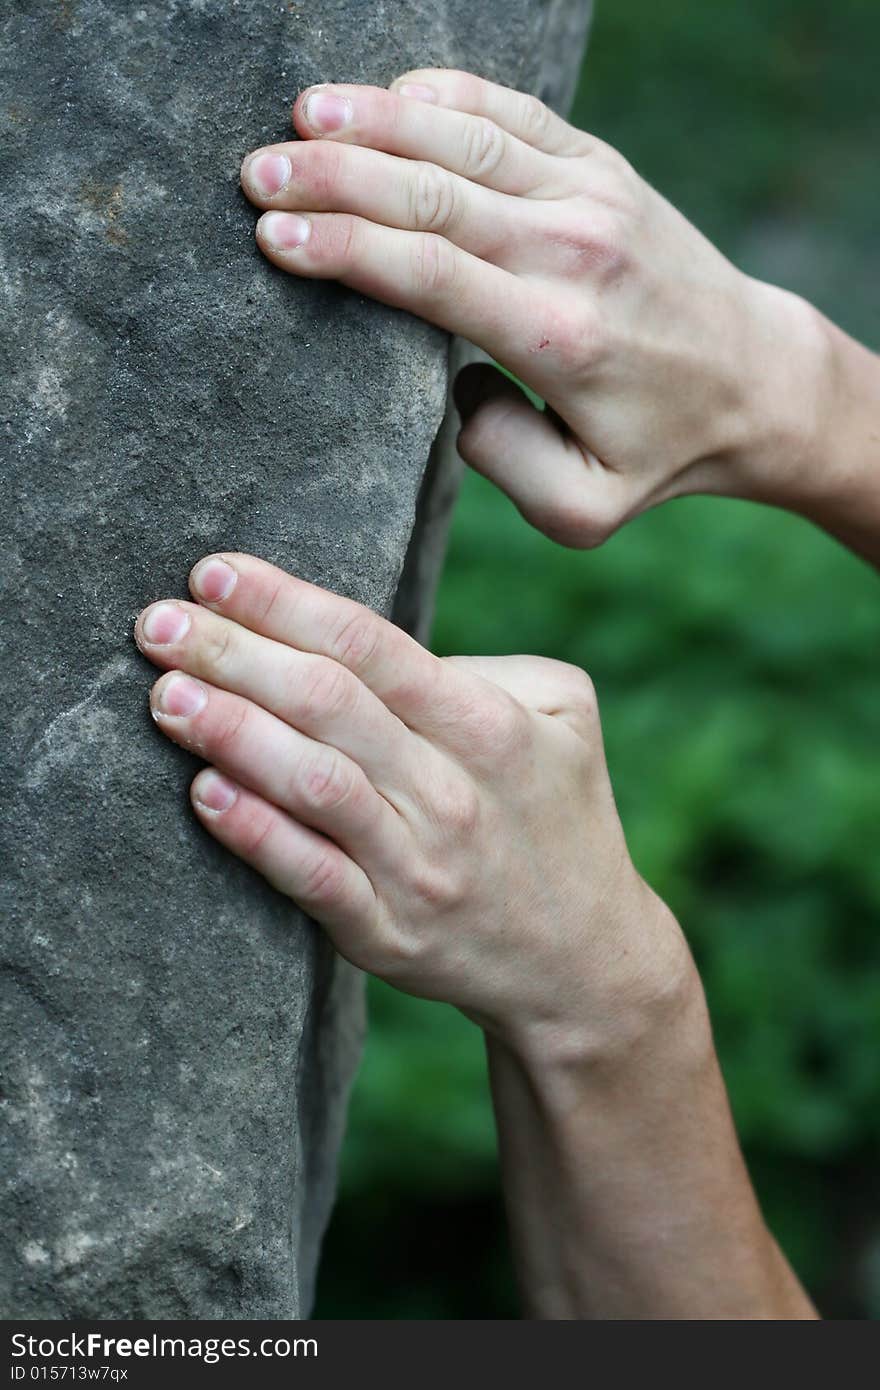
[179, 1041]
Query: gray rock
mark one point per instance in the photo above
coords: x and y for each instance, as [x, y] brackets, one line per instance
[179, 1041]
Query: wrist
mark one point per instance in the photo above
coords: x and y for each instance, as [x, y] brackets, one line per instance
[843, 491]
[809, 430]
[651, 1012]
[787, 401]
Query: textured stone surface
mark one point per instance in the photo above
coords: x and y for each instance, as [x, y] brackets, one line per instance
[178, 1042]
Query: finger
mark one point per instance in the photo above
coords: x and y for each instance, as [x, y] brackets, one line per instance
[559, 487]
[414, 195]
[472, 146]
[313, 694]
[453, 714]
[299, 862]
[314, 783]
[518, 113]
[418, 271]
[411, 681]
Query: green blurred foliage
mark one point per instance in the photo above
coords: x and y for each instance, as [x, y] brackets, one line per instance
[735, 654]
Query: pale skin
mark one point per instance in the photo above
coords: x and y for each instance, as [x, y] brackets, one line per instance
[451, 822]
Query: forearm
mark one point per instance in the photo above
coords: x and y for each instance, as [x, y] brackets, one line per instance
[626, 1192]
[814, 422]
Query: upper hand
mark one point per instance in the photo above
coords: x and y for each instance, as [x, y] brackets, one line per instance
[450, 822]
[477, 208]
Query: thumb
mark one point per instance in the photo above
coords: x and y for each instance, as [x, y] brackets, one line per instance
[557, 484]
[539, 683]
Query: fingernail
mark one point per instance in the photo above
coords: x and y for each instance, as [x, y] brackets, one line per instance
[416, 92]
[326, 112]
[182, 697]
[165, 623]
[284, 230]
[213, 580]
[215, 793]
[267, 174]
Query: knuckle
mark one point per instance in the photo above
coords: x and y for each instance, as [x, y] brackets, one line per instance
[581, 517]
[575, 524]
[435, 885]
[483, 147]
[394, 954]
[255, 835]
[622, 188]
[434, 267]
[337, 237]
[579, 693]
[459, 814]
[326, 782]
[453, 805]
[356, 639]
[433, 199]
[573, 339]
[273, 594]
[496, 725]
[508, 725]
[219, 644]
[597, 242]
[579, 340]
[320, 163]
[326, 690]
[229, 731]
[535, 118]
[323, 879]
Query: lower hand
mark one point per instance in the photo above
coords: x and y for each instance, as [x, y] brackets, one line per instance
[667, 370]
[450, 822]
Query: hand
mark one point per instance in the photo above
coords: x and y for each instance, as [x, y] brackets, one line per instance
[450, 822]
[666, 370]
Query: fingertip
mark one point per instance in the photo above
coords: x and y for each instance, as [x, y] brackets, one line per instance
[212, 793]
[265, 173]
[298, 115]
[475, 383]
[283, 231]
[177, 695]
[323, 110]
[212, 579]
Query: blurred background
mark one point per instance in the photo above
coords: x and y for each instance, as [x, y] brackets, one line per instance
[735, 651]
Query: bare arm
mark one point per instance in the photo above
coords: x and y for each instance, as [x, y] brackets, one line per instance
[626, 1193]
[831, 472]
